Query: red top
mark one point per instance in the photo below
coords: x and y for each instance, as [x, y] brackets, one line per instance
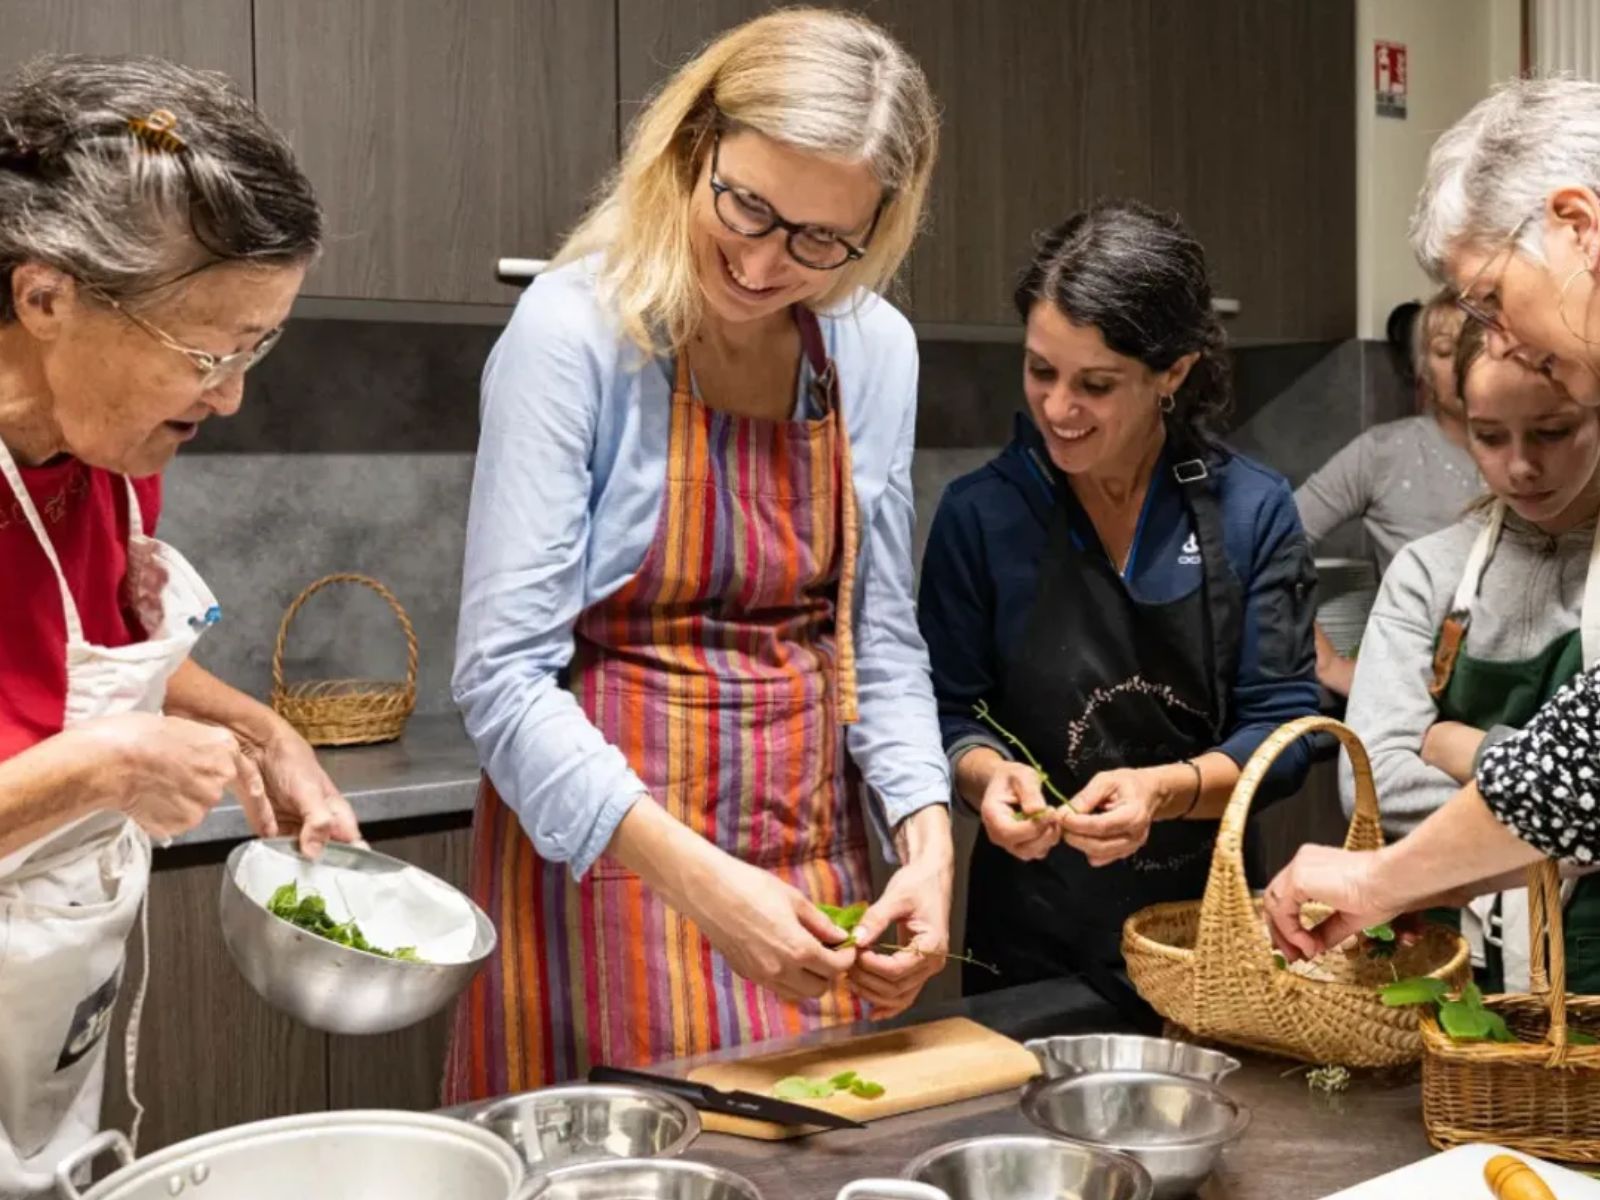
[85, 512]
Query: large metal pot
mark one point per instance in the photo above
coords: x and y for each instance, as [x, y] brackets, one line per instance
[357, 1155]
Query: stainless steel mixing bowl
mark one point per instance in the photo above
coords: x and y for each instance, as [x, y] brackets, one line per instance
[1175, 1127]
[675, 1179]
[1128, 1052]
[560, 1126]
[1026, 1168]
[328, 986]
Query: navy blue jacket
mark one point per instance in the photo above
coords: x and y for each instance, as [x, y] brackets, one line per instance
[982, 563]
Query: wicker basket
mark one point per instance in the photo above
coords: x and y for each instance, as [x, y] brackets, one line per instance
[1209, 966]
[346, 712]
[1541, 1097]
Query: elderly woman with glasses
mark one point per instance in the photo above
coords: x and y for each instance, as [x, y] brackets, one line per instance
[153, 232]
[1510, 216]
[687, 652]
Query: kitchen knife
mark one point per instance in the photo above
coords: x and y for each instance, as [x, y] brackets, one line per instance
[738, 1104]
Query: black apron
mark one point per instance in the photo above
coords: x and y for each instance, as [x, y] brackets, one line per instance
[1101, 681]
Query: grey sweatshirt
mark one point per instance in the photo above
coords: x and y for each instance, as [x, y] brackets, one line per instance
[1403, 480]
[1532, 595]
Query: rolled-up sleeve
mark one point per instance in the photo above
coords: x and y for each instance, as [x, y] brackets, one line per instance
[1544, 783]
[896, 741]
[523, 586]
[1275, 681]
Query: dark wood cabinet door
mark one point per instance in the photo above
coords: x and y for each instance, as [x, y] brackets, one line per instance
[441, 134]
[214, 34]
[211, 1052]
[1253, 143]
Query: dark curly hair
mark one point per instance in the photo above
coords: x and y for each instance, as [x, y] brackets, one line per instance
[1139, 277]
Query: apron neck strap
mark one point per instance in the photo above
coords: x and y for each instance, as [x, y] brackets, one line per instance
[824, 375]
[13, 476]
[1453, 633]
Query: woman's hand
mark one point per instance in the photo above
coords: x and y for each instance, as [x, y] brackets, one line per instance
[165, 773]
[1452, 746]
[1014, 813]
[770, 933]
[917, 900]
[300, 796]
[1351, 881]
[1110, 818]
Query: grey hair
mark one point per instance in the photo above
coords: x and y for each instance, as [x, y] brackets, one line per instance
[82, 192]
[1495, 168]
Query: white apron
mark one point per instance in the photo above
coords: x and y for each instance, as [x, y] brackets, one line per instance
[1501, 919]
[69, 901]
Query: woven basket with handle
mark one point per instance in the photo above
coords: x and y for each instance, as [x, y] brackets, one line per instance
[345, 712]
[1209, 967]
[1542, 1095]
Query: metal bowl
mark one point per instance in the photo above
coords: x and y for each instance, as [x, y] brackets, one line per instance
[331, 987]
[561, 1126]
[357, 1155]
[1022, 1168]
[640, 1179]
[1089, 1052]
[1175, 1127]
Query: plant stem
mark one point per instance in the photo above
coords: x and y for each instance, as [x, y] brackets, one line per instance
[893, 947]
[981, 711]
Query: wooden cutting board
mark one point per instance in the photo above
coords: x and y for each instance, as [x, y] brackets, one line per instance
[921, 1066]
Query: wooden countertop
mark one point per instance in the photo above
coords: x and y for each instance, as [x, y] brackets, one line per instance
[1300, 1145]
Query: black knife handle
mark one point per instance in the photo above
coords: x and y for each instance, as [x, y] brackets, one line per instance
[684, 1089]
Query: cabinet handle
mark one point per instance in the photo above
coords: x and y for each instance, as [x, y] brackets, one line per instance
[519, 270]
[1226, 306]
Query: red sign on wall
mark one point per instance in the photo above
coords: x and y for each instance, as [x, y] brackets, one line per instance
[1389, 78]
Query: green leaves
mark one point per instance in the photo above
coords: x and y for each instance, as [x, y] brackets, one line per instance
[1465, 1018]
[310, 912]
[1379, 933]
[1406, 992]
[798, 1087]
[1577, 1037]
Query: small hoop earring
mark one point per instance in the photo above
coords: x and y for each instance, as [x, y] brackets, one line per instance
[1168, 404]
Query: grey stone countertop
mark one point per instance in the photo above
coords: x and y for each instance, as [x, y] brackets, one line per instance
[431, 770]
[1300, 1145]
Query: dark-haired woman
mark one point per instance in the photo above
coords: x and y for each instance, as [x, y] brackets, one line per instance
[1124, 596]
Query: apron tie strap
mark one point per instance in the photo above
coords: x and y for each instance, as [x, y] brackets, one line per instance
[825, 390]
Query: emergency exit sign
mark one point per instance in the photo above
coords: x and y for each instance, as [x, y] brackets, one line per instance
[1389, 78]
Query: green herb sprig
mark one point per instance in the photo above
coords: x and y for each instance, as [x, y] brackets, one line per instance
[310, 912]
[799, 1087]
[848, 918]
[981, 711]
[1464, 1017]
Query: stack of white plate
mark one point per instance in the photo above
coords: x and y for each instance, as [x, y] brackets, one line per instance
[1346, 588]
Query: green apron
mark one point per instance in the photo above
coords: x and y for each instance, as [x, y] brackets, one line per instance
[1482, 693]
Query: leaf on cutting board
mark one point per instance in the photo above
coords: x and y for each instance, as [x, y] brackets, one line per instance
[843, 1080]
[866, 1089]
[798, 1087]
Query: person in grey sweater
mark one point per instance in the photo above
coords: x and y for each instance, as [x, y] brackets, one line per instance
[1477, 625]
[1402, 479]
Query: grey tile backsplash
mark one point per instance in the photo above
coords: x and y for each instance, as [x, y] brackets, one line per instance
[354, 453]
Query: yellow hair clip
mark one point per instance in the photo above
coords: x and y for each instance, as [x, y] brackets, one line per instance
[157, 131]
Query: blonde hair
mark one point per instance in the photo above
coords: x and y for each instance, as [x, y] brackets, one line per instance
[831, 83]
[1439, 309]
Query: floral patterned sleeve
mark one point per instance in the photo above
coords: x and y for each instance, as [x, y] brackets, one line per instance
[1544, 783]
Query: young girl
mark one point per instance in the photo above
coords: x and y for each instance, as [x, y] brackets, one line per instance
[1479, 624]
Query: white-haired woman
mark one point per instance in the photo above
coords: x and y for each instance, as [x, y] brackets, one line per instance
[686, 634]
[153, 232]
[1510, 216]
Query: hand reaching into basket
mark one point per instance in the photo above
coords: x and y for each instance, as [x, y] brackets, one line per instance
[1348, 881]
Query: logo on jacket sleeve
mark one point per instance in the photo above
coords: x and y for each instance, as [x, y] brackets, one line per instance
[1189, 556]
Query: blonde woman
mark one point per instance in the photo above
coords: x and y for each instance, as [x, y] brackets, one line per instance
[687, 653]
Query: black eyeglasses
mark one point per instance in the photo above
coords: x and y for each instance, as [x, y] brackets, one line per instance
[748, 215]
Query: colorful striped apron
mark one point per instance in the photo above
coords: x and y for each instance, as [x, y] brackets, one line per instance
[724, 671]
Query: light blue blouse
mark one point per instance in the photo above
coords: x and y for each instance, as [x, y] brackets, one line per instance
[565, 497]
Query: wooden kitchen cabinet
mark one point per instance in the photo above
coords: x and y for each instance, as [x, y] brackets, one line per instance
[214, 34]
[1253, 135]
[441, 134]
